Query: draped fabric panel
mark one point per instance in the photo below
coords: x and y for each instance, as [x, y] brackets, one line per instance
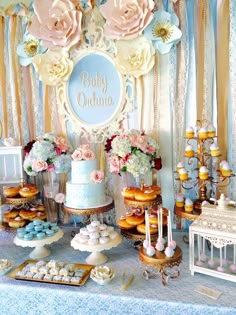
[196, 80]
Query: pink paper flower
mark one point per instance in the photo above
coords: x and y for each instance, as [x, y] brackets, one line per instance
[97, 176]
[59, 198]
[126, 19]
[39, 166]
[77, 155]
[115, 164]
[57, 23]
[88, 154]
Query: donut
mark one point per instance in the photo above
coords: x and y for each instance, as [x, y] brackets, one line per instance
[135, 219]
[157, 189]
[153, 219]
[129, 192]
[145, 195]
[141, 228]
[17, 222]
[40, 208]
[11, 214]
[29, 190]
[39, 216]
[11, 191]
[27, 215]
[123, 224]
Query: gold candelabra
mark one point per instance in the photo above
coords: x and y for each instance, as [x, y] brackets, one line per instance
[205, 150]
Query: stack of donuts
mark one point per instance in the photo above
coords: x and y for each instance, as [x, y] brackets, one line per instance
[27, 191]
[17, 218]
[135, 223]
[148, 193]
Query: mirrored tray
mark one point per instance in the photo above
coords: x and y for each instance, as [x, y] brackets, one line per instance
[83, 278]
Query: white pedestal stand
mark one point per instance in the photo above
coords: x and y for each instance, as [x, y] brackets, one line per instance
[40, 251]
[96, 257]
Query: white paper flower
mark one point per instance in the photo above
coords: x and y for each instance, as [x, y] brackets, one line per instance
[53, 67]
[135, 57]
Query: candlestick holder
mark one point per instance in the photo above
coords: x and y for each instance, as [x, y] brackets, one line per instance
[203, 158]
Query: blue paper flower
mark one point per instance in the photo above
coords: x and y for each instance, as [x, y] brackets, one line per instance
[163, 31]
[29, 48]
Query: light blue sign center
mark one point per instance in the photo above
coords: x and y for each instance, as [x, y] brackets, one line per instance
[95, 89]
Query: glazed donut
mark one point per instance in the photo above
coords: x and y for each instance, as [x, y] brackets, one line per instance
[39, 216]
[40, 208]
[11, 214]
[135, 219]
[145, 195]
[17, 222]
[27, 215]
[153, 219]
[29, 190]
[157, 189]
[129, 192]
[124, 225]
[11, 191]
[141, 228]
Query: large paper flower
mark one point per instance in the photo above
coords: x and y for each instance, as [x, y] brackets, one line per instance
[56, 22]
[53, 66]
[126, 19]
[163, 31]
[135, 57]
[29, 48]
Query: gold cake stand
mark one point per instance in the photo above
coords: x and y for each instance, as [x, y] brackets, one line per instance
[20, 200]
[162, 263]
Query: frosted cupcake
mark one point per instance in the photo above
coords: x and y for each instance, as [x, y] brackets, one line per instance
[189, 133]
[183, 175]
[225, 170]
[214, 149]
[188, 206]
[179, 202]
[222, 163]
[189, 152]
[203, 172]
[179, 166]
[211, 131]
[202, 133]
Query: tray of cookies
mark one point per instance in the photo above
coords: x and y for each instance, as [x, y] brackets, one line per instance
[52, 271]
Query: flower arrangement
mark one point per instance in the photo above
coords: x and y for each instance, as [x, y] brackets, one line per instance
[133, 152]
[47, 153]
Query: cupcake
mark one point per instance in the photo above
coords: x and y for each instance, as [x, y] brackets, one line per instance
[222, 163]
[179, 166]
[189, 152]
[188, 206]
[225, 170]
[211, 131]
[214, 149]
[203, 172]
[189, 133]
[202, 133]
[179, 202]
[183, 175]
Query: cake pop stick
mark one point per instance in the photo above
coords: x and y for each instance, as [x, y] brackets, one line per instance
[224, 260]
[159, 244]
[172, 243]
[203, 256]
[198, 262]
[161, 239]
[233, 266]
[211, 262]
[220, 268]
[150, 249]
[146, 241]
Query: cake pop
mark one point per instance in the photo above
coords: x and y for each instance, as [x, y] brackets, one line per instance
[150, 250]
[232, 267]
[169, 252]
[221, 268]
[160, 239]
[211, 262]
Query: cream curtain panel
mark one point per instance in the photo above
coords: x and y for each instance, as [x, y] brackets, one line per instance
[196, 80]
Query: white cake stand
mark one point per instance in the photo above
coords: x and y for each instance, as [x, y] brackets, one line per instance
[40, 251]
[96, 257]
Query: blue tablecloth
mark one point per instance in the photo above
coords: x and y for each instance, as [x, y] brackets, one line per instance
[144, 297]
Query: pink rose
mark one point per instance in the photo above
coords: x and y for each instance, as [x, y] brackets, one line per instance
[126, 19]
[39, 166]
[77, 155]
[116, 164]
[58, 150]
[88, 154]
[61, 144]
[51, 168]
[150, 149]
[59, 198]
[57, 23]
[97, 176]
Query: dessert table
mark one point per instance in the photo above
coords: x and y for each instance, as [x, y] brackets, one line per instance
[144, 297]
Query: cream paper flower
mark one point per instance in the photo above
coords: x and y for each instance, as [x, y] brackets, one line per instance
[135, 57]
[53, 67]
[126, 19]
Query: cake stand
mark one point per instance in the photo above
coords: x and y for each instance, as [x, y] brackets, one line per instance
[162, 263]
[40, 251]
[96, 257]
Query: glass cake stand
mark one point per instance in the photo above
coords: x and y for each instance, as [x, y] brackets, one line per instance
[96, 257]
[40, 251]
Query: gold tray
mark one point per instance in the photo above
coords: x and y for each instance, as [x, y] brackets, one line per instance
[84, 277]
[136, 203]
[20, 200]
[136, 236]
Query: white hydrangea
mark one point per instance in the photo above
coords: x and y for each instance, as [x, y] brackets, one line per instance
[138, 164]
[121, 146]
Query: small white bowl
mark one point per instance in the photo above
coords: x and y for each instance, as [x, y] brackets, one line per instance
[102, 274]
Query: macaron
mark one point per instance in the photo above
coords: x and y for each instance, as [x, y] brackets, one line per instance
[38, 227]
[38, 222]
[28, 236]
[55, 228]
[41, 235]
[49, 232]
